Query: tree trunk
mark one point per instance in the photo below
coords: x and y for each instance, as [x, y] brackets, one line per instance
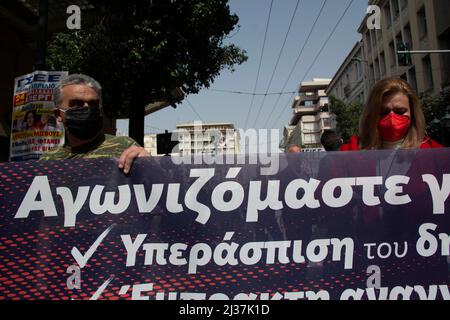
[137, 117]
[41, 51]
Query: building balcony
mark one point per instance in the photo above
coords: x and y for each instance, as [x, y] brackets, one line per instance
[312, 109]
[308, 97]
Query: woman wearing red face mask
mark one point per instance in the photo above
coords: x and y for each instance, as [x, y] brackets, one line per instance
[391, 119]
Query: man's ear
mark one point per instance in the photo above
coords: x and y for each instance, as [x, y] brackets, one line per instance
[59, 115]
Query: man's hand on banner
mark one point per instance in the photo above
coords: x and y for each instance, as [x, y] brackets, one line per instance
[129, 155]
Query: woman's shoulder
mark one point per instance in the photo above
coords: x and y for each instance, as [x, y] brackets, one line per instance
[352, 145]
[429, 143]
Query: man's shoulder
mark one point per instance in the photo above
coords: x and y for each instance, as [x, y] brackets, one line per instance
[112, 147]
[58, 153]
[111, 141]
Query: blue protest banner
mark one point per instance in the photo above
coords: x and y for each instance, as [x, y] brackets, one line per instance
[356, 225]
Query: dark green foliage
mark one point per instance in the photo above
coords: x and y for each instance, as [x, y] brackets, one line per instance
[347, 117]
[140, 50]
[434, 109]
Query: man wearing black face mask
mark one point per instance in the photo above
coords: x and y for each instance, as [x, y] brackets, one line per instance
[78, 100]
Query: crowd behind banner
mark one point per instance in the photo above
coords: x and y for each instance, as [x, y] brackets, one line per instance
[346, 225]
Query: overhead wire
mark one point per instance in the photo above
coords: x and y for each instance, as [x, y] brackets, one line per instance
[297, 59]
[320, 52]
[260, 63]
[147, 126]
[193, 109]
[253, 94]
[277, 62]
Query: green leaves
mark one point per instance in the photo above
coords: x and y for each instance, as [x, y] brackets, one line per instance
[347, 117]
[434, 109]
[148, 48]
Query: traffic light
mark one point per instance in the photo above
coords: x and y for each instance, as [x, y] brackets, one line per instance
[404, 59]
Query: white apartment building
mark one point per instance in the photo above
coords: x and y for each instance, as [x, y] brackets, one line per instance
[150, 144]
[311, 115]
[207, 138]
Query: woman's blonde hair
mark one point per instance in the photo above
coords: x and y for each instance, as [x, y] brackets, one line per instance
[370, 138]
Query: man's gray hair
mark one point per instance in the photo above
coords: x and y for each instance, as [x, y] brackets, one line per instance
[76, 79]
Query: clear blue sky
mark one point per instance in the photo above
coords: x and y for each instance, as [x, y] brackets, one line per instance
[223, 107]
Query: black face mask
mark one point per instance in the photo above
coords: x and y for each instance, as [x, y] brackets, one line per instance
[83, 123]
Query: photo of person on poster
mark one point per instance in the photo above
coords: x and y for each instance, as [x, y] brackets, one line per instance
[31, 121]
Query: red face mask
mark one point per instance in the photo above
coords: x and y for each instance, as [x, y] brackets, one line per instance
[393, 127]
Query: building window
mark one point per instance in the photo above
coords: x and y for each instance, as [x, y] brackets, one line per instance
[373, 36]
[427, 73]
[387, 14]
[379, 35]
[395, 9]
[403, 4]
[383, 65]
[444, 44]
[392, 54]
[403, 76]
[369, 44]
[408, 37]
[309, 127]
[412, 78]
[308, 138]
[398, 41]
[377, 69]
[371, 73]
[399, 38]
[422, 23]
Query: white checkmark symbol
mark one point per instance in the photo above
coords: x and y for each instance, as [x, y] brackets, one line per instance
[83, 259]
[101, 289]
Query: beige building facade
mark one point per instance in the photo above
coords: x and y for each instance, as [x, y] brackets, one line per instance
[423, 25]
[350, 84]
